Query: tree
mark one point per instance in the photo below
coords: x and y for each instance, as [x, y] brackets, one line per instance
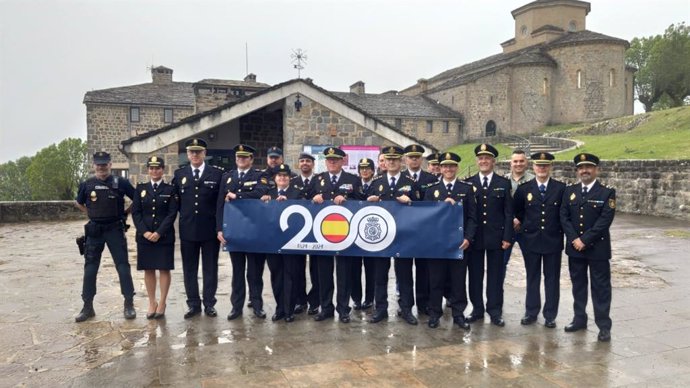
[13, 183]
[663, 63]
[55, 171]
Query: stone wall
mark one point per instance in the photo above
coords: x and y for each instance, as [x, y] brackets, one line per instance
[651, 187]
[25, 211]
[262, 129]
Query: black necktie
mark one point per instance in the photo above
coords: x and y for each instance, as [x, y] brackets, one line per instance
[584, 190]
[414, 176]
[392, 182]
[241, 175]
[196, 174]
[306, 182]
[155, 186]
[365, 187]
[486, 183]
[449, 187]
[281, 192]
[542, 190]
[334, 180]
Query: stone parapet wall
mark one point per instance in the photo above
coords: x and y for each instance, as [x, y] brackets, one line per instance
[25, 211]
[650, 187]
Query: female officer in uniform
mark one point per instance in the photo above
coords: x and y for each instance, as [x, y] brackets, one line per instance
[154, 211]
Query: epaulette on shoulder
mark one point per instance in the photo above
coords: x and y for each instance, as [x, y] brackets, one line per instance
[378, 177]
[181, 167]
[463, 182]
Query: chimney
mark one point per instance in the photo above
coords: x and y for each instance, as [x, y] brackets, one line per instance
[423, 84]
[357, 88]
[251, 77]
[161, 75]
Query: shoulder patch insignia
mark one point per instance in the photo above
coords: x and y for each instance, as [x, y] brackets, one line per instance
[612, 203]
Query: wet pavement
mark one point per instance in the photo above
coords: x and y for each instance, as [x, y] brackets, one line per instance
[42, 346]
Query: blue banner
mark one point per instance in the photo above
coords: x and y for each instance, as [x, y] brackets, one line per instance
[356, 228]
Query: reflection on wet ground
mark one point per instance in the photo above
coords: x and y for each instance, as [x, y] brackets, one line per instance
[42, 346]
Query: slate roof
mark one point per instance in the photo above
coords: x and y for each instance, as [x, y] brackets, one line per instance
[537, 54]
[388, 105]
[171, 93]
[233, 83]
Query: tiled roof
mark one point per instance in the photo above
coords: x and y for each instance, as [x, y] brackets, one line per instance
[171, 93]
[232, 83]
[586, 36]
[388, 105]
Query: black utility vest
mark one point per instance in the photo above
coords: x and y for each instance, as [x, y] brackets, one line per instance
[102, 200]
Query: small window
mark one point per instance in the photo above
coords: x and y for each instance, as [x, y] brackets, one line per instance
[572, 26]
[545, 87]
[446, 127]
[134, 114]
[524, 30]
[398, 123]
[168, 115]
[579, 79]
[429, 126]
[612, 78]
[221, 90]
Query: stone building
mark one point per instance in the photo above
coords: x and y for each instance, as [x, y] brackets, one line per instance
[552, 71]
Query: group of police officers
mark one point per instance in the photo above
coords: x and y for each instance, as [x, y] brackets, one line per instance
[542, 211]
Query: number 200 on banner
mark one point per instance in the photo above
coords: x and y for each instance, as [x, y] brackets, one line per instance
[335, 228]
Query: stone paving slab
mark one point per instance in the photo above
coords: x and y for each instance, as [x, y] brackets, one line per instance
[42, 346]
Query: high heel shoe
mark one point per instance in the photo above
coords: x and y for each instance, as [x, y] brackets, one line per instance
[160, 315]
[153, 314]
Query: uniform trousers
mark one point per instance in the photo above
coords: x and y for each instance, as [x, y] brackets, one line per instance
[494, 281]
[300, 287]
[190, 268]
[343, 274]
[421, 284]
[600, 276]
[117, 245]
[382, 266]
[283, 275]
[368, 263]
[254, 264]
[444, 273]
[551, 264]
[313, 294]
[403, 274]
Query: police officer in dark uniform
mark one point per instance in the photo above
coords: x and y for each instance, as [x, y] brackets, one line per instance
[366, 170]
[587, 211]
[304, 180]
[154, 210]
[413, 160]
[101, 197]
[494, 233]
[537, 208]
[432, 164]
[445, 273]
[338, 186]
[284, 267]
[243, 184]
[394, 186]
[198, 186]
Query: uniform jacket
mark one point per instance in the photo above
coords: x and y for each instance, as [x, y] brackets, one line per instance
[292, 192]
[105, 199]
[424, 181]
[348, 185]
[197, 202]
[494, 212]
[462, 193]
[253, 185]
[588, 218]
[540, 218]
[155, 211]
[306, 189]
[380, 187]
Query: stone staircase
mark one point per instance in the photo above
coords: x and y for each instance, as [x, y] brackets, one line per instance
[535, 144]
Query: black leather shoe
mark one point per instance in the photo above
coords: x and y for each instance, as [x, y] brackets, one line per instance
[234, 314]
[290, 318]
[299, 309]
[408, 317]
[357, 306]
[345, 318]
[498, 321]
[378, 316]
[249, 304]
[192, 312]
[604, 335]
[313, 310]
[323, 316]
[475, 318]
[550, 323]
[277, 316]
[129, 311]
[528, 320]
[86, 313]
[433, 322]
[259, 313]
[574, 326]
[211, 312]
[398, 312]
[367, 305]
[461, 322]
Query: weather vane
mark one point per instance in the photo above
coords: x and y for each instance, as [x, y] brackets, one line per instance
[299, 59]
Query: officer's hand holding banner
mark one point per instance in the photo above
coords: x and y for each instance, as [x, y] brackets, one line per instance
[381, 229]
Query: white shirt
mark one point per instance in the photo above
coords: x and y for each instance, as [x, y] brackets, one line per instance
[159, 182]
[489, 177]
[397, 178]
[418, 172]
[446, 183]
[200, 168]
[337, 176]
[589, 186]
[546, 184]
[310, 177]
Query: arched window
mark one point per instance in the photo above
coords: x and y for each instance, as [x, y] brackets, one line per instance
[490, 128]
[579, 79]
[545, 87]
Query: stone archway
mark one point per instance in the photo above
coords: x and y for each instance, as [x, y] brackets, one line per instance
[490, 129]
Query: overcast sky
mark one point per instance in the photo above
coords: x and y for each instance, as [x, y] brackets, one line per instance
[52, 52]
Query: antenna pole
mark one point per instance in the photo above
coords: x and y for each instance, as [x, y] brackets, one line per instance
[246, 58]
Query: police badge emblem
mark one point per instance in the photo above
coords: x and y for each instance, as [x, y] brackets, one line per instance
[184, 180]
[143, 193]
[228, 181]
[572, 196]
[612, 203]
[94, 197]
[381, 188]
[529, 197]
[372, 229]
[436, 194]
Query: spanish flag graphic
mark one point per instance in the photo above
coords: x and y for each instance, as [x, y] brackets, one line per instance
[335, 227]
